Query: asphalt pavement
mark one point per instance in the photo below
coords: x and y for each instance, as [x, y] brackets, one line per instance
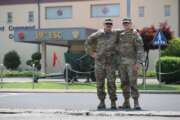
[83, 101]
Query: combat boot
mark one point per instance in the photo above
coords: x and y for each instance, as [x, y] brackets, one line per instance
[136, 104]
[126, 105]
[101, 105]
[113, 105]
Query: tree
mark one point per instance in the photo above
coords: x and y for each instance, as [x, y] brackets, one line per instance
[35, 59]
[148, 34]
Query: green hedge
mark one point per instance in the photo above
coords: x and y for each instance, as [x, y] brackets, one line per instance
[173, 48]
[169, 65]
[19, 74]
[149, 73]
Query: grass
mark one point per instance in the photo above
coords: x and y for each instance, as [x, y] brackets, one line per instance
[50, 85]
[162, 87]
[58, 85]
[9, 73]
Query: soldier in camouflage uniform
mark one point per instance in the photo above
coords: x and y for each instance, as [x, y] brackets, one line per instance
[131, 55]
[105, 49]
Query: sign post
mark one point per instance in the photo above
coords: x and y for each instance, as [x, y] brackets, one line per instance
[159, 40]
[1, 66]
[33, 75]
[144, 75]
[67, 74]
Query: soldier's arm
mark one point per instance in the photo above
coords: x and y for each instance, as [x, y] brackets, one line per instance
[139, 48]
[89, 42]
[117, 32]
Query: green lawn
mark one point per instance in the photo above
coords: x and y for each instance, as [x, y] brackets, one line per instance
[58, 85]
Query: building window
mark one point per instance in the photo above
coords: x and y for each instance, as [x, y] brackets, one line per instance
[9, 17]
[31, 16]
[105, 10]
[141, 11]
[61, 12]
[167, 10]
[128, 8]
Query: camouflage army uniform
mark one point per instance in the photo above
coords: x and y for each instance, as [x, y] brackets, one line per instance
[105, 49]
[130, 50]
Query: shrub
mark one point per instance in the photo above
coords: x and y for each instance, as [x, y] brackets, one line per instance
[173, 48]
[11, 60]
[35, 59]
[170, 69]
[20, 74]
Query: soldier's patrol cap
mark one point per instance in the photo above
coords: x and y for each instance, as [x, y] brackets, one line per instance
[108, 20]
[127, 20]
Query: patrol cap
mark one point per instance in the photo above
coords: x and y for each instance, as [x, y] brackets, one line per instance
[127, 20]
[108, 20]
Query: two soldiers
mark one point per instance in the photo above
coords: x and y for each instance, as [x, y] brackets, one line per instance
[125, 46]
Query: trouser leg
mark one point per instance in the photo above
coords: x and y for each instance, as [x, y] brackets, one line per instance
[125, 85]
[100, 81]
[111, 82]
[133, 82]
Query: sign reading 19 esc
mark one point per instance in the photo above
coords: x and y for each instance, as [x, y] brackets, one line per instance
[48, 35]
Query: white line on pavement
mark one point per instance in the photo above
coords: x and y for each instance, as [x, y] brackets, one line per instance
[9, 94]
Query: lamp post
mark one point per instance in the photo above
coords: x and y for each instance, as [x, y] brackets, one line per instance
[39, 20]
[41, 45]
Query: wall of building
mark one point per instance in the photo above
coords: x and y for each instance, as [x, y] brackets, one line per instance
[81, 17]
[20, 13]
[153, 15]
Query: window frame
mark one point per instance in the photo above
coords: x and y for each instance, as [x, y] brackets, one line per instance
[59, 7]
[91, 10]
[141, 11]
[9, 17]
[167, 10]
[29, 17]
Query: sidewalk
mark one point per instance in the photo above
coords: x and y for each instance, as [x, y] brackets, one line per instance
[29, 79]
[92, 113]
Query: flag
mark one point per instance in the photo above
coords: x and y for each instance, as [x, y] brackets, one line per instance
[54, 58]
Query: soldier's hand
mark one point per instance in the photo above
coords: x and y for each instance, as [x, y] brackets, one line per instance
[93, 55]
[136, 67]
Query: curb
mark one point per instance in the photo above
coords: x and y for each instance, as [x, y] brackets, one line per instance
[78, 91]
[93, 113]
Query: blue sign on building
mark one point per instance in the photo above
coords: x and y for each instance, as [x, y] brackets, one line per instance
[56, 36]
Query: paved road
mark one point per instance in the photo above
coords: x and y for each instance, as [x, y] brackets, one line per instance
[83, 101]
[68, 117]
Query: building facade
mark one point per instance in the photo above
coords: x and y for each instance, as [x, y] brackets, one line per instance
[78, 13]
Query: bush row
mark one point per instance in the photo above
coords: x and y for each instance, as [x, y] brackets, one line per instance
[170, 69]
